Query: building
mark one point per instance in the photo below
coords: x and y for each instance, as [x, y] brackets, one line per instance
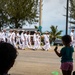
[31, 30]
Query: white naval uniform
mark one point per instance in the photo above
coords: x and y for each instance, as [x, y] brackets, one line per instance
[17, 38]
[47, 42]
[72, 34]
[26, 42]
[74, 41]
[1, 39]
[34, 40]
[8, 38]
[4, 36]
[38, 41]
[72, 38]
[22, 40]
[13, 39]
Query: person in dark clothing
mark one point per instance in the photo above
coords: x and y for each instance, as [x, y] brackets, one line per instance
[8, 54]
[66, 54]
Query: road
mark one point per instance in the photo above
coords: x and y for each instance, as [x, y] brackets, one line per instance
[37, 62]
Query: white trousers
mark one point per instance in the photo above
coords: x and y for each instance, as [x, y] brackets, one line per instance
[35, 45]
[46, 46]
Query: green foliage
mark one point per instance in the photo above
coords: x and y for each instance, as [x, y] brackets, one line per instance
[54, 33]
[36, 27]
[72, 11]
[20, 12]
[3, 19]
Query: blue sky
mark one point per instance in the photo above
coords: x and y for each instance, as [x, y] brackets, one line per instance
[52, 14]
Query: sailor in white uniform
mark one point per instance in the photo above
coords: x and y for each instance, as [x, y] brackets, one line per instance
[25, 37]
[72, 37]
[4, 35]
[1, 39]
[29, 39]
[38, 40]
[20, 42]
[9, 35]
[23, 40]
[13, 38]
[34, 40]
[46, 47]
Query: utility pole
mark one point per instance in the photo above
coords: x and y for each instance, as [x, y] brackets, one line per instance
[40, 16]
[67, 6]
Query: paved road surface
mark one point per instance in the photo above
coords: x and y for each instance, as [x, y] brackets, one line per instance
[37, 62]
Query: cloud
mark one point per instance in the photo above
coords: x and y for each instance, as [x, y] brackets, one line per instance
[53, 9]
[52, 14]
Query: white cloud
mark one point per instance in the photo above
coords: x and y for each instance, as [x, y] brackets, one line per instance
[52, 14]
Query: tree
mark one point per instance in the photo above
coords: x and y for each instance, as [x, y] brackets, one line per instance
[20, 11]
[72, 11]
[3, 16]
[54, 33]
[36, 27]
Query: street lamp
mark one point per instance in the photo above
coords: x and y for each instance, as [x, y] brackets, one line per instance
[67, 6]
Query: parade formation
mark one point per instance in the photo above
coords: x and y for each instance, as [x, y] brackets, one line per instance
[23, 39]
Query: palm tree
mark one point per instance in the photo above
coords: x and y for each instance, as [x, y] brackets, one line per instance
[36, 27]
[54, 33]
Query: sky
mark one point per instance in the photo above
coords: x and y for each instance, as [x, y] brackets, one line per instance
[53, 12]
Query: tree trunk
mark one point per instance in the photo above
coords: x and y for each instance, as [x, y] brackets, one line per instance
[16, 23]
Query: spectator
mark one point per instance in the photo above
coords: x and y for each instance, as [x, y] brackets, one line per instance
[66, 55]
[8, 54]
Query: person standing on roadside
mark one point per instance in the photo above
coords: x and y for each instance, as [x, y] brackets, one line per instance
[8, 54]
[66, 54]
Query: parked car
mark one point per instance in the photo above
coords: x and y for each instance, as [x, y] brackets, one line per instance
[58, 42]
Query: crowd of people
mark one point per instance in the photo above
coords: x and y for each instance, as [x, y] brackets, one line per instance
[8, 52]
[23, 39]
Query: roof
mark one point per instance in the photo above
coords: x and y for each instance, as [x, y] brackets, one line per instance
[25, 29]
